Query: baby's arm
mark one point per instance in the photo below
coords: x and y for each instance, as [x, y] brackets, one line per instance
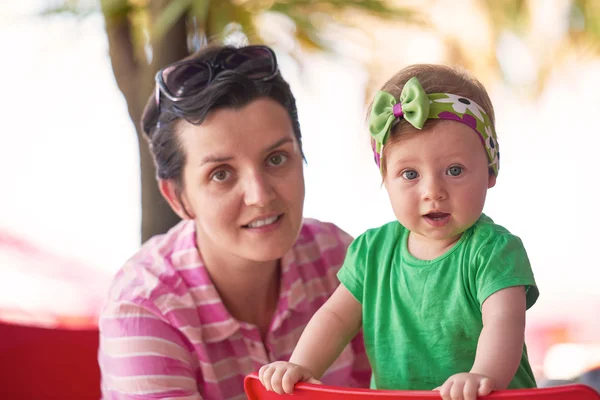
[330, 330]
[500, 343]
[499, 348]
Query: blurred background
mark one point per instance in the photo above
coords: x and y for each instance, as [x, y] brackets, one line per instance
[78, 191]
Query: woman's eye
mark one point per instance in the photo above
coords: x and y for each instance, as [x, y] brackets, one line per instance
[277, 159]
[410, 174]
[220, 175]
[455, 171]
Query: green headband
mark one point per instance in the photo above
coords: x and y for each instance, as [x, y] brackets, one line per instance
[416, 107]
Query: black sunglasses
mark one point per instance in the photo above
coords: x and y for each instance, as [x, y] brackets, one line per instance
[187, 78]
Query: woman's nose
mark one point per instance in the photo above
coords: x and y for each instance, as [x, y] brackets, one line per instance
[258, 190]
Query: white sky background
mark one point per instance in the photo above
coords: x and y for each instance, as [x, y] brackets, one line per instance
[68, 151]
[69, 167]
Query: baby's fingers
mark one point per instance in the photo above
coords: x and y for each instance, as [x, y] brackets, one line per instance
[290, 378]
[276, 380]
[485, 387]
[264, 374]
[295, 375]
[445, 389]
[457, 390]
[470, 390]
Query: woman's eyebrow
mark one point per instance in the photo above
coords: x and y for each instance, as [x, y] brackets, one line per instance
[214, 159]
[278, 143]
[219, 159]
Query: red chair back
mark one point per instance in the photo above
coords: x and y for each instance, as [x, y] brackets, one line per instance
[40, 363]
[306, 391]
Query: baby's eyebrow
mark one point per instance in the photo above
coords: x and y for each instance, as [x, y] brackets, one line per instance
[405, 160]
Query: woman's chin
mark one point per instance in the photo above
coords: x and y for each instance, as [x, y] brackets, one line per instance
[269, 244]
[269, 249]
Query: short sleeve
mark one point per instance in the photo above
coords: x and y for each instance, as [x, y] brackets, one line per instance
[142, 356]
[352, 273]
[503, 263]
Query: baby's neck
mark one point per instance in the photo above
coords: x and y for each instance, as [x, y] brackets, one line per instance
[424, 248]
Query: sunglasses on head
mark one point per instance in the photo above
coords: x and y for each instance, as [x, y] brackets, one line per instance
[187, 78]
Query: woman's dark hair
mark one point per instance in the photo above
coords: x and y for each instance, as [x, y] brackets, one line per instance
[229, 89]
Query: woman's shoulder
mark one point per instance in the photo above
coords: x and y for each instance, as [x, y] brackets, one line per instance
[322, 233]
[319, 250]
[155, 267]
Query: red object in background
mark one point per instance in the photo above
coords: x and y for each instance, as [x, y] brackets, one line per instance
[256, 391]
[40, 363]
[40, 287]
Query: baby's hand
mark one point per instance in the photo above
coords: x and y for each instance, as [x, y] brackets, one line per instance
[466, 386]
[280, 376]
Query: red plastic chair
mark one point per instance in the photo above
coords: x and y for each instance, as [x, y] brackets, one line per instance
[256, 391]
[40, 363]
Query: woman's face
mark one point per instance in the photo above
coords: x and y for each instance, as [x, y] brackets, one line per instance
[243, 182]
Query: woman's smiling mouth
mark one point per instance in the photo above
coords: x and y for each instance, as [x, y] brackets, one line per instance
[258, 223]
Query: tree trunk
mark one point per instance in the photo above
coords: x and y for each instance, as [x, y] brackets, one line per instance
[135, 79]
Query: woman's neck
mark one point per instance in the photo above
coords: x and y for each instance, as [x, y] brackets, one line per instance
[249, 290]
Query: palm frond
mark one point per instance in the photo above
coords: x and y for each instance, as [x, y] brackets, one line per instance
[307, 33]
[174, 10]
[584, 19]
[116, 8]
[76, 9]
[377, 8]
[508, 14]
[312, 17]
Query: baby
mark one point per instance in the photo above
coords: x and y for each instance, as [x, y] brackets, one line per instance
[441, 293]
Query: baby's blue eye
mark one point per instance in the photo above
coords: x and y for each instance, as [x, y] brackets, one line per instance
[455, 171]
[410, 174]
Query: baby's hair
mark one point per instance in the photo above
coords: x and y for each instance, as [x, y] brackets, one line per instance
[434, 79]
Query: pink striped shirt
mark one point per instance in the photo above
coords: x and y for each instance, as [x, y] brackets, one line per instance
[165, 333]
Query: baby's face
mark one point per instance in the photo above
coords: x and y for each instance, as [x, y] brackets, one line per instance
[437, 181]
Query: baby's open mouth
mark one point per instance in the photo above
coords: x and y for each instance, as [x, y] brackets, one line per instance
[437, 216]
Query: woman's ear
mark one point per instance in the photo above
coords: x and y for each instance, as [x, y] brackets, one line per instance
[172, 194]
[491, 181]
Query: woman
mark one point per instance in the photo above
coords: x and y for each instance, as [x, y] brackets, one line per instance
[232, 286]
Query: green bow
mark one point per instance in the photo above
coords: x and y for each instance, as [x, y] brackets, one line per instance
[415, 109]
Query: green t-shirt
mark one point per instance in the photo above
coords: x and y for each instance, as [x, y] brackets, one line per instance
[422, 318]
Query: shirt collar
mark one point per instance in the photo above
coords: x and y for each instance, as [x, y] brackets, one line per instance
[292, 296]
[227, 325]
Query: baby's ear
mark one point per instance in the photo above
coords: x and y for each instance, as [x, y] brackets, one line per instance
[491, 181]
